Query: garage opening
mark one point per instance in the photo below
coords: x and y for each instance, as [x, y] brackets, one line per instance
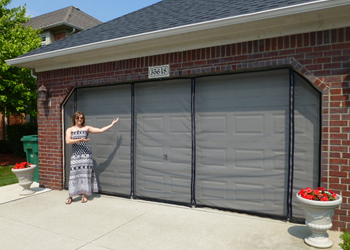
[244, 142]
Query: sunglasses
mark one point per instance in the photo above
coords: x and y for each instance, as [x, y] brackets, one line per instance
[79, 118]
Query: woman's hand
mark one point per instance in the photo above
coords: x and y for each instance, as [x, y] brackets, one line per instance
[115, 121]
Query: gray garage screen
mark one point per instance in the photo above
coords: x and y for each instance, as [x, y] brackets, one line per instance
[222, 141]
[242, 138]
[163, 140]
[110, 150]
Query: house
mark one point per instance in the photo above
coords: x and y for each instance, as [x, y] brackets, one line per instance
[62, 23]
[228, 104]
[55, 26]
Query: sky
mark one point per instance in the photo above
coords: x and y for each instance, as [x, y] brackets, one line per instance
[103, 10]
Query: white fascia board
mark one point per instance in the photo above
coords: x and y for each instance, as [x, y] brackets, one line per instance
[280, 12]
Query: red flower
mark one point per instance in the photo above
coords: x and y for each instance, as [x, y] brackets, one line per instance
[319, 194]
[310, 197]
[22, 165]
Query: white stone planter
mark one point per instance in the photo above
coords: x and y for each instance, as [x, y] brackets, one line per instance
[319, 216]
[25, 178]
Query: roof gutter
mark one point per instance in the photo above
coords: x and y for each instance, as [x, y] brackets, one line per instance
[279, 12]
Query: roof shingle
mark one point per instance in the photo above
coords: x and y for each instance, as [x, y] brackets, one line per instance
[164, 15]
[71, 15]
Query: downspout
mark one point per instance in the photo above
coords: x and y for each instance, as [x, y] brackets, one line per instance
[32, 73]
[73, 31]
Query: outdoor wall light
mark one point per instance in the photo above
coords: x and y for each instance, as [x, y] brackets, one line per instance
[42, 94]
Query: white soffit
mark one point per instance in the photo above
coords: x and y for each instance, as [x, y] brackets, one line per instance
[302, 18]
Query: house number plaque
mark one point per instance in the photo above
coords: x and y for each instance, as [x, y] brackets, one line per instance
[159, 71]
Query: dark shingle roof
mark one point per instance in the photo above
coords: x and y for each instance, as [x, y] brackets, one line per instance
[71, 15]
[166, 14]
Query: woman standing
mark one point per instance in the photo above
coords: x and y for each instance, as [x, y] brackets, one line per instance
[82, 179]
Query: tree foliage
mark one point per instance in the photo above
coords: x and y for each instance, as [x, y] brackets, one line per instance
[18, 89]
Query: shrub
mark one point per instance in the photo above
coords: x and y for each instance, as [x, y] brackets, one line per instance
[16, 132]
[346, 240]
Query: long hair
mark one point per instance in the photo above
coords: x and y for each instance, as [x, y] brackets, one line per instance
[76, 115]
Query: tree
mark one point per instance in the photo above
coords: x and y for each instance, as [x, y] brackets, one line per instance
[18, 89]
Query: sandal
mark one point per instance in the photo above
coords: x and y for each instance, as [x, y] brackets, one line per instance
[84, 199]
[69, 201]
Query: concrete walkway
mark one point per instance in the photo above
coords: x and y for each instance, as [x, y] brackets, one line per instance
[43, 221]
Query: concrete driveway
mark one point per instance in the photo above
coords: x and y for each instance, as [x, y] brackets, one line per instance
[43, 221]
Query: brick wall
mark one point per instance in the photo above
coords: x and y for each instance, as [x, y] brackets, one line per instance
[322, 57]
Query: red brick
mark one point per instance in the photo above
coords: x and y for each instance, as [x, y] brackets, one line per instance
[339, 136]
[338, 161]
[334, 180]
[336, 91]
[305, 50]
[202, 62]
[293, 41]
[270, 54]
[340, 212]
[240, 58]
[314, 67]
[339, 97]
[314, 55]
[335, 142]
[339, 84]
[322, 48]
[342, 71]
[340, 46]
[345, 168]
[339, 123]
[339, 174]
[335, 155]
[286, 52]
[333, 79]
[335, 129]
[322, 72]
[335, 118]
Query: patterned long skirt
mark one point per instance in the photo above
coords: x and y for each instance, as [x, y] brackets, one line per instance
[82, 179]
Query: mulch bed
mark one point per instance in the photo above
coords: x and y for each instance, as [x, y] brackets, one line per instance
[8, 159]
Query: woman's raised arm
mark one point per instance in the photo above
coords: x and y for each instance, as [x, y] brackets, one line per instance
[101, 130]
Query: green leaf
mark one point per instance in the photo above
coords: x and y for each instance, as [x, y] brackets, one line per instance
[18, 90]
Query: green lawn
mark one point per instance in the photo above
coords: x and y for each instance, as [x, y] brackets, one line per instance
[6, 176]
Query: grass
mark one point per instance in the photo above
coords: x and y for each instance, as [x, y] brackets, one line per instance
[6, 176]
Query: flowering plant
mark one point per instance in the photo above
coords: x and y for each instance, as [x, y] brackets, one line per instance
[22, 165]
[319, 194]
